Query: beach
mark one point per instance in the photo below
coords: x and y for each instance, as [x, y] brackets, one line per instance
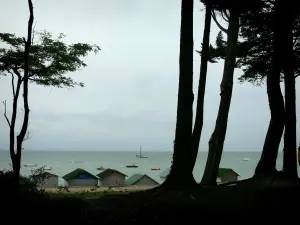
[130, 188]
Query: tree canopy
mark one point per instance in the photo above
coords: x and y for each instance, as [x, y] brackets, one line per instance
[255, 46]
[49, 58]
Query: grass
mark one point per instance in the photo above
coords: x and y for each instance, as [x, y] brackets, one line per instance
[86, 194]
[95, 192]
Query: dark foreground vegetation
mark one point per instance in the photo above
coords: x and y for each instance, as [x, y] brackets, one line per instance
[248, 201]
[223, 204]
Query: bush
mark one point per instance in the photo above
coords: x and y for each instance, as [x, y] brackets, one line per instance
[27, 184]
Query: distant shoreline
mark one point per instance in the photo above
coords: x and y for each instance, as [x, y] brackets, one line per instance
[133, 151]
[123, 151]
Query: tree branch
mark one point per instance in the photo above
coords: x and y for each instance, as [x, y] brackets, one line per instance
[227, 15]
[218, 24]
[34, 79]
[5, 115]
[223, 17]
[13, 84]
[27, 136]
[17, 72]
[13, 121]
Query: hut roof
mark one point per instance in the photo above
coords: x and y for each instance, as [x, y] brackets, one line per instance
[75, 173]
[223, 171]
[50, 174]
[136, 177]
[108, 172]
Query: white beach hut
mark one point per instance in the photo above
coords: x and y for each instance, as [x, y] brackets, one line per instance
[50, 181]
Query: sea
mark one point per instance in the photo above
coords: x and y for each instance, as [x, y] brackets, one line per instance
[62, 163]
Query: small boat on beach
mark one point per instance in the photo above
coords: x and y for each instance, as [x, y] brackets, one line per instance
[101, 168]
[132, 166]
[155, 168]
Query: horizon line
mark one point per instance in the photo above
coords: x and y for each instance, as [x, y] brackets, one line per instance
[55, 150]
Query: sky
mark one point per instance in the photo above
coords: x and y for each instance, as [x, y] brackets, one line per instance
[130, 98]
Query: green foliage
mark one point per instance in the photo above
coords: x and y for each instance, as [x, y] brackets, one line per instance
[211, 54]
[49, 60]
[26, 183]
[255, 47]
[214, 54]
[38, 176]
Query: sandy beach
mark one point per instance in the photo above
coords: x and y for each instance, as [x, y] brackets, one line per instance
[130, 188]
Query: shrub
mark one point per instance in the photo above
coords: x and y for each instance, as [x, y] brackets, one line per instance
[26, 183]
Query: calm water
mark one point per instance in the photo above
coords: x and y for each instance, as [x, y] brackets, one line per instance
[64, 162]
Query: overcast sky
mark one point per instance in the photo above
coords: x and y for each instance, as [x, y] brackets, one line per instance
[130, 97]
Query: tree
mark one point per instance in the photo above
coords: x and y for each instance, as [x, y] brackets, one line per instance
[43, 60]
[255, 58]
[231, 10]
[202, 82]
[16, 157]
[218, 136]
[290, 140]
[255, 45]
[182, 168]
[267, 163]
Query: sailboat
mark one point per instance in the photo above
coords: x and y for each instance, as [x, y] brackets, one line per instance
[141, 156]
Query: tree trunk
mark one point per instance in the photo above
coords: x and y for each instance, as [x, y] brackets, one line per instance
[16, 165]
[298, 152]
[267, 163]
[216, 141]
[290, 139]
[202, 83]
[182, 169]
[20, 137]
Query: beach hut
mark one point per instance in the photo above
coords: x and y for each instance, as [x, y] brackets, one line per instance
[111, 177]
[164, 173]
[141, 179]
[50, 181]
[80, 178]
[227, 175]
